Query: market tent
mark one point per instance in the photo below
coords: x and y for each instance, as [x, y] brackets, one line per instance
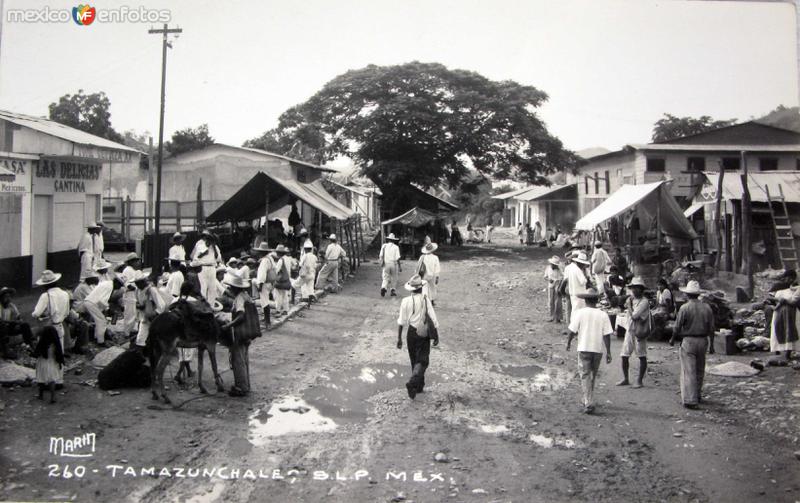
[249, 202]
[549, 192]
[415, 217]
[758, 183]
[650, 200]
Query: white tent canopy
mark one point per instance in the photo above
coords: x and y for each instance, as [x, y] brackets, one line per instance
[646, 200]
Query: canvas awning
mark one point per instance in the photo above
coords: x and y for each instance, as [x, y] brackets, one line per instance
[415, 217]
[542, 192]
[691, 210]
[646, 200]
[249, 202]
[758, 183]
[6, 175]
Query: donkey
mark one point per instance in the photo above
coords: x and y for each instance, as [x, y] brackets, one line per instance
[186, 325]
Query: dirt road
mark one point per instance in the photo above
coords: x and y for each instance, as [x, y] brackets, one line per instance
[329, 419]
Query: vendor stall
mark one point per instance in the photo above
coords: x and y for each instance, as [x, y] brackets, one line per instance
[412, 227]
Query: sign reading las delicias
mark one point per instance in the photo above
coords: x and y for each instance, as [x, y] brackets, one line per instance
[68, 175]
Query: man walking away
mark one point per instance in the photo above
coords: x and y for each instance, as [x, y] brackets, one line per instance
[308, 269]
[640, 324]
[553, 275]
[428, 269]
[330, 270]
[132, 263]
[600, 263]
[694, 325]
[593, 329]
[390, 263]
[283, 281]
[418, 320]
[576, 281]
[265, 278]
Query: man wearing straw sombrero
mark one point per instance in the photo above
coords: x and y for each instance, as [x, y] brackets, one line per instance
[429, 269]
[553, 276]
[418, 321]
[390, 265]
[265, 277]
[577, 281]
[334, 253]
[177, 252]
[89, 249]
[53, 305]
[593, 329]
[640, 324]
[694, 324]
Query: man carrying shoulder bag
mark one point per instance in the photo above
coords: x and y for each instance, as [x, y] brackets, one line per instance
[418, 320]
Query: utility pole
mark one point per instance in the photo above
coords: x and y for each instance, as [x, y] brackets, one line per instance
[165, 31]
[747, 221]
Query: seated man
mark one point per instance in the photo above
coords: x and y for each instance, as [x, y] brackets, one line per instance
[13, 331]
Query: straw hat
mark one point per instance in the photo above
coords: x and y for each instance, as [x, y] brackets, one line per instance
[281, 249]
[93, 225]
[100, 265]
[263, 247]
[692, 288]
[243, 256]
[7, 290]
[131, 256]
[236, 280]
[391, 237]
[308, 244]
[580, 258]
[332, 237]
[303, 232]
[415, 283]
[232, 262]
[221, 268]
[137, 276]
[637, 281]
[177, 237]
[48, 277]
[554, 260]
[588, 294]
[429, 248]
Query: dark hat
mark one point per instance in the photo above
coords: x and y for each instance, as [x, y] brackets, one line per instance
[7, 290]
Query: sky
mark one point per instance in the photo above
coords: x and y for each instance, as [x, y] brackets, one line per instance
[611, 68]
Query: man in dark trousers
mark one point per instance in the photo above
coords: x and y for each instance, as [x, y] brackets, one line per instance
[693, 325]
[414, 311]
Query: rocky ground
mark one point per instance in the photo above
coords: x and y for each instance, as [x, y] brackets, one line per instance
[329, 418]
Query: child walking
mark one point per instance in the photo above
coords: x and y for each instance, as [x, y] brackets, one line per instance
[50, 361]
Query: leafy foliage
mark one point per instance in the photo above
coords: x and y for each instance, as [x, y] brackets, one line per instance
[783, 117]
[189, 139]
[670, 127]
[87, 112]
[426, 124]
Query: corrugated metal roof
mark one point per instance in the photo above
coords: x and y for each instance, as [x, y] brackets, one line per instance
[53, 128]
[757, 182]
[717, 148]
[540, 192]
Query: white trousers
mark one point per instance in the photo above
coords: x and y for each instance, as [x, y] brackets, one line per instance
[282, 299]
[129, 311]
[306, 286]
[87, 261]
[263, 295]
[576, 304]
[329, 271]
[100, 322]
[144, 332]
[208, 283]
[431, 289]
[389, 276]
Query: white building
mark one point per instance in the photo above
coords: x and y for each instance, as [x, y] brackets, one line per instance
[61, 176]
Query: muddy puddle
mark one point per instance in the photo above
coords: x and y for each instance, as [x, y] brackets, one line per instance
[522, 371]
[285, 416]
[344, 395]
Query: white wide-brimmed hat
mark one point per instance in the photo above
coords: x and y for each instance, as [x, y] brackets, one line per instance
[637, 281]
[177, 237]
[93, 225]
[692, 288]
[429, 248]
[48, 277]
[580, 258]
[101, 264]
[554, 260]
[263, 247]
[235, 279]
[232, 262]
[281, 249]
[391, 237]
[415, 283]
[308, 244]
[131, 256]
[332, 237]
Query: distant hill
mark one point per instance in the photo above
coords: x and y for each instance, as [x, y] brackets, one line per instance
[590, 152]
[783, 117]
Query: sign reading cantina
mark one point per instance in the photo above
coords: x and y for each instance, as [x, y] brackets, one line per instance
[68, 175]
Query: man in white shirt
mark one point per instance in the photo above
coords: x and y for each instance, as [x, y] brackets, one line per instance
[265, 277]
[208, 255]
[308, 269]
[414, 310]
[576, 281]
[428, 269]
[593, 329]
[390, 263]
[177, 252]
[330, 270]
[129, 296]
[89, 249]
[600, 262]
[53, 304]
[97, 302]
[175, 279]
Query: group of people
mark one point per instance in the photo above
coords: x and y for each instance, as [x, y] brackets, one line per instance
[580, 285]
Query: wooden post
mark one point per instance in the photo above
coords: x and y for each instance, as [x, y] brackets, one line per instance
[658, 232]
[319, 228]
[747, 263]
[266, 215]
[720, 230]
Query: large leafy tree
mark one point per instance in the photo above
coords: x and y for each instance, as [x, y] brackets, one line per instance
[295, 136]
[87, 112]
[425, 124]
[670, 127]
[783, 117]
[188, 139]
